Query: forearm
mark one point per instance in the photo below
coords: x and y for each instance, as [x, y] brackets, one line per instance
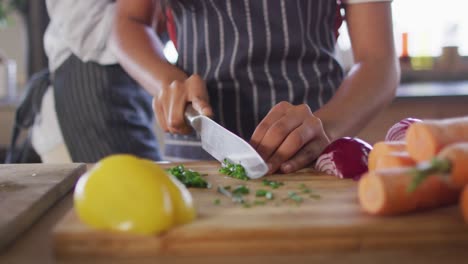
[140, 52]
[369, 88]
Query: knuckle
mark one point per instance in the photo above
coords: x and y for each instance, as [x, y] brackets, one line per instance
[283, 105]
[304, 108]
[196, 77]
[176, 85]
[313, 122]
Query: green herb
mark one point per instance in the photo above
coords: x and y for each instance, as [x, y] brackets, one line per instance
[423, 171]
[272, 184]
[233, 170]
[315, 196]
[237, 198]
[188, 177]
[246, 205]
[217, 202]
[227, 187]
[257, 202]
[304, 188]
[241, 189]
[264, 193]
[261, 193]
[295, 197]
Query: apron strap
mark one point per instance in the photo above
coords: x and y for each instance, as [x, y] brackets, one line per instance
[25, 114]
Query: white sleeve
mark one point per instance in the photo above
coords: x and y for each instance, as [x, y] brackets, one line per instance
[362, 1]
[83, 25]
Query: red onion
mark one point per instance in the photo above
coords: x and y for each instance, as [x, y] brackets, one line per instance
[398, 131]
[345, 158]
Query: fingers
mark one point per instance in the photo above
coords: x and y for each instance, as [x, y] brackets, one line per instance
[307, 154]
[304, 157]
[275, 114]
[160, 115]
[198, 95]
[294, 142]
[289, 137]
[278, 134]
[175, 113]
[170, 104]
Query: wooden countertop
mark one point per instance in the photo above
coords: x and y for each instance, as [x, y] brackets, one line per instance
[35, 246]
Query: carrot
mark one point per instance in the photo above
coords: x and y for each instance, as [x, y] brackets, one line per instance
[425, 139]
[395, 160]
[380, 149]
[451, 162]
[464, 204]
[385, 192]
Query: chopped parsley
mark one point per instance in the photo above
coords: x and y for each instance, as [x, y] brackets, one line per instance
[236, 197]
[241, 189]
[217, 202]
[264, 193]
[188, 177]
[272, 184]
[295, 197]
[311, 193]
[304, 188]
[236, 171]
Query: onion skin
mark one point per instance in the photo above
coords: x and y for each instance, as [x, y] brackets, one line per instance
[345, 158]
[397, 132]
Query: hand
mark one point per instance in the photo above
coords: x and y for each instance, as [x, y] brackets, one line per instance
[169, 105]
[289, 138]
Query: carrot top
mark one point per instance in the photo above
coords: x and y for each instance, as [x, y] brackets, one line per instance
[423, 170]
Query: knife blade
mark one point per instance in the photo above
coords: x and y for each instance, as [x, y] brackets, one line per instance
[223, 144]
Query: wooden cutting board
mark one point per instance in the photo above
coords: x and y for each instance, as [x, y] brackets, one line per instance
[28, 190]
[332, 223]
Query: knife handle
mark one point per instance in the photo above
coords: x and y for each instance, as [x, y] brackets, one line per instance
[191, 113]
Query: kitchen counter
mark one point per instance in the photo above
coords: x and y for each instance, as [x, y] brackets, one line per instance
[432, 89]
[35, 246]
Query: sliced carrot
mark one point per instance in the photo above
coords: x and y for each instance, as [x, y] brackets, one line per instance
[425, 139]
[464, 204]
[381, 149]
[385, 192]
[395, 160]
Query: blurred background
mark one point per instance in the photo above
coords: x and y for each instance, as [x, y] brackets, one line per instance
[431, 37]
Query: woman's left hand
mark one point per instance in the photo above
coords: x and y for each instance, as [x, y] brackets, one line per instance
[289, 138]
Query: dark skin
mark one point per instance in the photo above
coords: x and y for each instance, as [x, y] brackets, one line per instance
[290, 137]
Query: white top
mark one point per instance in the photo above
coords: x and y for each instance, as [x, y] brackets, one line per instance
[81, 28]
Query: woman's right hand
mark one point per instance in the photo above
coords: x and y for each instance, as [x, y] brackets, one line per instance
[170, 103]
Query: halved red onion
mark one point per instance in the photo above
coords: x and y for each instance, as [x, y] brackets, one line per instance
[345, 158]
[397, 132]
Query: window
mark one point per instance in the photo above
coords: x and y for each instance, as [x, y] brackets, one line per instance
[430, 24]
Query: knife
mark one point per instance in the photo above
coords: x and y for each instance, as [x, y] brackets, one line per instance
[223, 144]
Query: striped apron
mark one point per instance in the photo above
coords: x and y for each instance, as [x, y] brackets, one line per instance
[102, 111]
[254, 54]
